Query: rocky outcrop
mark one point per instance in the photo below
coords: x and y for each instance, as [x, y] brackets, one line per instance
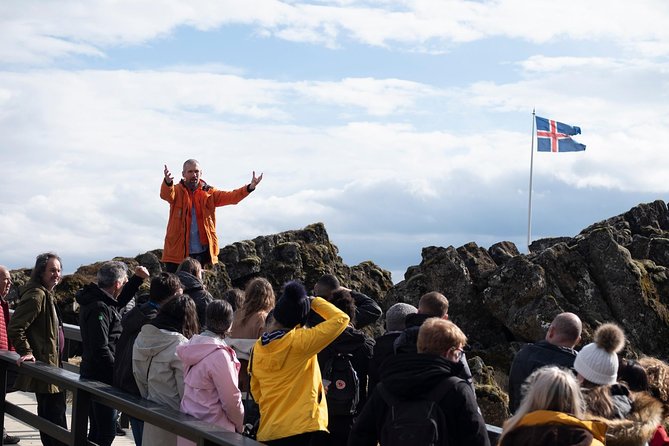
[614, 270]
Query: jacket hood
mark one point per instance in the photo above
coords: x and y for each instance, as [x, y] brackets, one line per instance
[349, 341]
[92, 293]
[416, 319]
[639, 425]
[31, 284]
[152, 340]
[189, 281]
[134, 319]
[198, 347]
[410, 374]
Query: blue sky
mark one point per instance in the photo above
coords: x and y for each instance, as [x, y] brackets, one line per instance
[398, 124]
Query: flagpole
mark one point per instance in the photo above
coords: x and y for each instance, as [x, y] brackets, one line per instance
[529, 208]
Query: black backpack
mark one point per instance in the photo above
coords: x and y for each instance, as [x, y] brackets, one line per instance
[343, 385]
[417, 422]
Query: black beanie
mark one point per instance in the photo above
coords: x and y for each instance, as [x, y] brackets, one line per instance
[293, 306]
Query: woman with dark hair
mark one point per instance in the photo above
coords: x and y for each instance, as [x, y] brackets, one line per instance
[351, 350]
[157, 369]
[285, 377]
[210, 378]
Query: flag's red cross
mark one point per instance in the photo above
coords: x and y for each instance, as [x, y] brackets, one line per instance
[553, 135]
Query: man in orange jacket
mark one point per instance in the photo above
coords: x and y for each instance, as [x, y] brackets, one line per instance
[191, 228]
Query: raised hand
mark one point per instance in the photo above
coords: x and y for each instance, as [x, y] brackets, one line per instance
[169, 179]
[255, 180]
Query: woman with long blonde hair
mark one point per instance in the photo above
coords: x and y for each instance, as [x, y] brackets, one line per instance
[551, 413]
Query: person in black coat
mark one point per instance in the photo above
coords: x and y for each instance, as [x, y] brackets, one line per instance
[557, 348]
[430, 305]
[384, 344]
[367, 311]
[163, 287]
[413, 376]
[360, 346]
[100, 325]
[190, 275]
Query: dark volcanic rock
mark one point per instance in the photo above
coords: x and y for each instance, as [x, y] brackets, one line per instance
[303, 255]
[502, 252]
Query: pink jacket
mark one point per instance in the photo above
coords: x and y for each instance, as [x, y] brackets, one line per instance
[210, 382]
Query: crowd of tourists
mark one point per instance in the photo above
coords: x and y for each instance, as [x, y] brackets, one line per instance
[299, 368]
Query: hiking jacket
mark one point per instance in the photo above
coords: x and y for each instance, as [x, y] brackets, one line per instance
[206, 199]
[210, 382]
[416, 375]
[285, 377]
[532, 357]
[100, 325]
[35, 328]
[132, 323]
[195, 289]
[360, 346]
[549, 428]
[383, 348]
[158, 372]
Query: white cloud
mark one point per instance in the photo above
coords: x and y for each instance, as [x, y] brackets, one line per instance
[35, 32]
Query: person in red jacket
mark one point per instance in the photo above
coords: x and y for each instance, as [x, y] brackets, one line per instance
[5, 285]
[191, 228]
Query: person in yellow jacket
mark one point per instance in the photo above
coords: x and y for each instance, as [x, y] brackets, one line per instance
[285, 377]
[551, 414]
[191, 228]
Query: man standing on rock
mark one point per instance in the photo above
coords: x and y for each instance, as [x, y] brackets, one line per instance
[36, 331]
[557, 348]
[191, 228]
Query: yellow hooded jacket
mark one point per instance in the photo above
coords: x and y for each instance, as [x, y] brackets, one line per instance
[286, 379]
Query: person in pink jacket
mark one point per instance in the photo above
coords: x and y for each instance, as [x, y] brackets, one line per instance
[210, 373]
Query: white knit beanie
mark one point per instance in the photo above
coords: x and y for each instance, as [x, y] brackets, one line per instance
[598, 361]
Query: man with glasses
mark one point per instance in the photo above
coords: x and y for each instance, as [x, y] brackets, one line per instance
[100, 325]
[431, 374]
[430, 305]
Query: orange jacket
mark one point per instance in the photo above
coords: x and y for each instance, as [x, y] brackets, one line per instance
[207, 199]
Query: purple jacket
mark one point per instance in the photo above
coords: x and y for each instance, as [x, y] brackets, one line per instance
[211, 371]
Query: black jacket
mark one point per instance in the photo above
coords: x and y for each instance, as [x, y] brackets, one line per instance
[100, 325]
[367, 311]
[530, 358]
[132, 324]
[410, 376]
[357, 344]
[195, 289]
[383, 348]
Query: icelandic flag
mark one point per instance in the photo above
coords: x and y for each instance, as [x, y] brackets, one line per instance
[553, 136]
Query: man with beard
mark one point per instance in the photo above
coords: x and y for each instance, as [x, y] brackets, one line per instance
[191, 228]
